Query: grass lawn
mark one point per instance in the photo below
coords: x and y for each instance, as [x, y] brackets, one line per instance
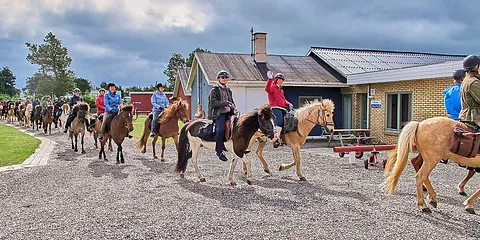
[138, 129]
[16, 146]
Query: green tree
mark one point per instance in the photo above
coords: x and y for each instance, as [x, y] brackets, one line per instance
[83, 84]
[103, 85]
[189, 60]
[7, 82]
[53, 61]
[176, 61]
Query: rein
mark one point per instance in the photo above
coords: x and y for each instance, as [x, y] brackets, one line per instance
[326, 124]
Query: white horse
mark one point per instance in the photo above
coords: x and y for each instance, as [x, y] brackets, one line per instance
[63, 118]
[190, 142]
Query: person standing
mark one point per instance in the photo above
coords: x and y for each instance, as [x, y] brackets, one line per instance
[159, 102]
[200, 114]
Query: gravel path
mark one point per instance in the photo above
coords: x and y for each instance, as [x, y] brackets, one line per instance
[80, 197]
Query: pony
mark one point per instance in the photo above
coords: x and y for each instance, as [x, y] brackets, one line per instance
[21, 114]
[97, 129]
[47, 119]
[11, 113]
[312, 114]
[27, 114]
[78, 124]
[433, 145]
[243, 130]
[120, 126]
[37, 116]
[168, 127]
[65, 108]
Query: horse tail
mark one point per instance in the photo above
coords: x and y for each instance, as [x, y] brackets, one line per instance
[399, 155]
[143, 140]
[184, 151]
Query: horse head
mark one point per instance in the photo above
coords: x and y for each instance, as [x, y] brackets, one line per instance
[181, 110]
[265, 120]
[82, 111]
[319, 113]
[38, 110]
[127, 117]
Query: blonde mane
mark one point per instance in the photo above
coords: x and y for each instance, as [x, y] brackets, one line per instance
[303, 112]
[169, 112]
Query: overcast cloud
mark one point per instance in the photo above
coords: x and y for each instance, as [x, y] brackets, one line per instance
[130, 41]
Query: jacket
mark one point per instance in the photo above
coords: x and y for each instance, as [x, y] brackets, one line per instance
[46, 103]
[100, 104]
[470, 97]
[276, 95]
[112, 101]
[35, 103]
[452, 100]
[74, 101]
[159, 101]
[215, 103]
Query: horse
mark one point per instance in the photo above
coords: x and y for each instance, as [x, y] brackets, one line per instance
[27, 114]
[120, 126]
[433, 146]
[37, 117]
[47, 119]
[21, 114]
[312, 114]
[78, 124]
[63, 117]
[243, 130]
[168, 127]
[97, 129]
[11, 113]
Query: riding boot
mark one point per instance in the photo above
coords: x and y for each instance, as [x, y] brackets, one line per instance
[279, 141]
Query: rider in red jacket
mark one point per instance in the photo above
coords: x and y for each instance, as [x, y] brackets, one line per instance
[277, 100]
[99, 102]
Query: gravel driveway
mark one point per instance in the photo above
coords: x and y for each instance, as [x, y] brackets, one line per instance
[80, 197]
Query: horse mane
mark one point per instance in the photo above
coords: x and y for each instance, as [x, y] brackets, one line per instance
[169, 112]
[38, 107]
[82, 106]
[127, 108]
[303, 112]
[248, 120]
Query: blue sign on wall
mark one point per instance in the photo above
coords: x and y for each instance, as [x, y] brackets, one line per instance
[376, 103]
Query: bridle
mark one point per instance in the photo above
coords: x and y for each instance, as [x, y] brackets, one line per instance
[262, 128]
[321, 112]
[125, 122]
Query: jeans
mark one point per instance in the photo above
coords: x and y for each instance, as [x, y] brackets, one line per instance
[154, 120]
[220, 131]
[279, 114]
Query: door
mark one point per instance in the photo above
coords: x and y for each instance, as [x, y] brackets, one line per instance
[347, 111]
[363, 110]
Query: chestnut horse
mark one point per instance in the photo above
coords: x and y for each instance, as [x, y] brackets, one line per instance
[168, 127]
[47, 120]
[120, 126]
[312, 114]
[433, 146]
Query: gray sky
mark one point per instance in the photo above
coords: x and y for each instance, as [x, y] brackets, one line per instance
[130, 41]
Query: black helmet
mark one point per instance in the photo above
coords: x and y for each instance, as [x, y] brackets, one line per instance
[280, 75]
[470, 62]
[223, 73]
[459, 74]
[110, 84]
[159, 85]
[76, 90]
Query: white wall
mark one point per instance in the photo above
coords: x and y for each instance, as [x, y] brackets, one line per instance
[248, 98]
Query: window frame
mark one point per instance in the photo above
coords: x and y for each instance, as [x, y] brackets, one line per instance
[399, 109]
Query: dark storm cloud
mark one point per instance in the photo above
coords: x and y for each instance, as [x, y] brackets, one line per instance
[139, 57]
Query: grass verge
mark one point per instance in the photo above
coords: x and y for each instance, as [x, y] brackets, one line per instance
[138, 129]
[16, 146]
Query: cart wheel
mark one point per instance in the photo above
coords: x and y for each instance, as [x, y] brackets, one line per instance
[384, 163]
[342, 154]
[365, 163]
[358, 155]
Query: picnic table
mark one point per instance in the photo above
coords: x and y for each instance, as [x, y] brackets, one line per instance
[349, 134]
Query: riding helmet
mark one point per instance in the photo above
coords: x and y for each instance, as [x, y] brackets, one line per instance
[280, 75]
[76, 90]
[470, 62]
[222, 73]
[459, 74]
[48, 96]
[159, 85]
[101, 89]
[110, 84]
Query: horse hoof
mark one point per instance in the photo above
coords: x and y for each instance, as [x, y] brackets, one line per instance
[83, 152]
[249, 182]
[244, 172]
[143, 151]
[302, 179]
[281, 168]
[155, 157]
[106, 160]
[202, 180]
[267, 171]
[75, 150]
[462, 193]
[433, 203]
[182, 175]
[426, 210]
[162, 160]
[470, 210]
[425, 189]
[233, 183]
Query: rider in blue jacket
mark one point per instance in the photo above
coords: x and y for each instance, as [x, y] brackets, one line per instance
[112, 101]
[159, 102]
[452, 95]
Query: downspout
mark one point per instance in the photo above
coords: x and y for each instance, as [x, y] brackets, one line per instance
[368, 107]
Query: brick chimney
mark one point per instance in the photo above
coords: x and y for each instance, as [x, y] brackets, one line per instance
[260, 47]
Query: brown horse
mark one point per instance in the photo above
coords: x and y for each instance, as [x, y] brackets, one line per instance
[313, 114]
[96, 131]
[78, 124]
[433, 146]
[47, 120]
[120, 126]
[168, 127]
[21, 114]
[11, 113]
[37, 117]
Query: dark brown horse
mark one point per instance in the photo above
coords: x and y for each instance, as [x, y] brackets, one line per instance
[168, 127]
[96, 131]
[120, 126]
[48, 119]
[37, 117]
[21, 114]
[78, 124]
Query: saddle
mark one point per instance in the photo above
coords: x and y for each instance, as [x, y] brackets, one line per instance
[109, 121]
[290, 122]
[207, 131]
[466, 140]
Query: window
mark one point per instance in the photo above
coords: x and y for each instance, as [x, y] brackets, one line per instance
[399, 110]
[302, 100]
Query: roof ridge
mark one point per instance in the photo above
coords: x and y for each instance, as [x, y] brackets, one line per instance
[413, 53]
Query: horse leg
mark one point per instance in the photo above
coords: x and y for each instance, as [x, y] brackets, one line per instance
[287, 166]
[261, 146]
[118, 154]
[95, 135]
[175, 140]
[76, 143]
[461, 186]
[154, 142]
[83, 150]
[122, 160]
[163, 150]
[233, 165]
[421, 178]
[195, 150]
[470, 202]
[296, 156]
[248, 163]
[110, 147]
[71, 138]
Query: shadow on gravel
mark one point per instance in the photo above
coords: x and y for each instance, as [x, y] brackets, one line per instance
[156, 166]
[238, 198]
[100, 168]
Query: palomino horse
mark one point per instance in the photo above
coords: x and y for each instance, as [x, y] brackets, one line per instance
[248, 124]
[37, 117]
[47, 119]
[168, 127]
[11, 113]
[120, 126]
[310, 115]
[63, 118]
[433, 145]
[28, 113]
[78, 124]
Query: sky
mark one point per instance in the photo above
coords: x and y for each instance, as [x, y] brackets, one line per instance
[130, 42]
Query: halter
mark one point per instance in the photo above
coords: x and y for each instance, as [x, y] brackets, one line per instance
[321, 112]
[262, 128]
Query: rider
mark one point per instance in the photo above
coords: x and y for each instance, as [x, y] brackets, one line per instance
[159, 102]
[220, 108]
[470, 90]
[452, 95]
[100, 104]
[73, 100]
[47, 102]
[35, 103]
[58, 109]
[112, 101]
[277, 100]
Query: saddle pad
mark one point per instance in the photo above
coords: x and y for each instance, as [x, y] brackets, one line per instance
[464, 141]
[290, 123]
